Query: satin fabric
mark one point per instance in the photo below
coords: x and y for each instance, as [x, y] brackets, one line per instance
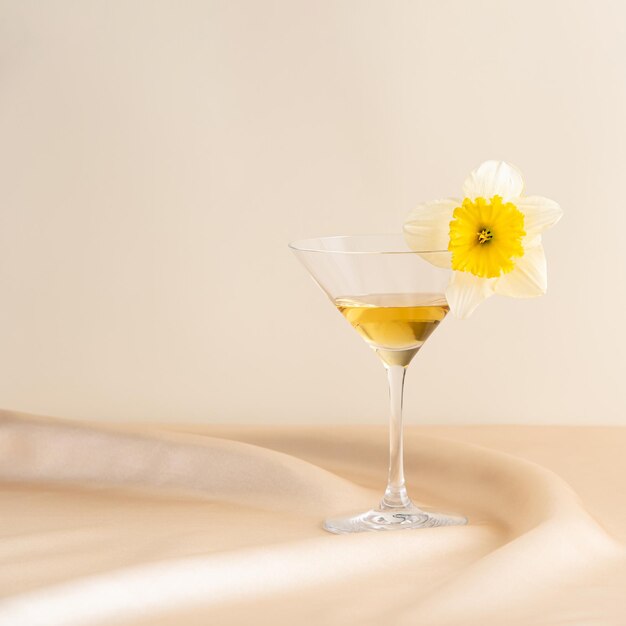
[161, 525]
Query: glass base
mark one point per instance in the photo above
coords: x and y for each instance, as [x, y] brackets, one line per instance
[400, 518]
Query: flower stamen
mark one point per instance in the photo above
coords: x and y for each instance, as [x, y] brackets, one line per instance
[485, 236]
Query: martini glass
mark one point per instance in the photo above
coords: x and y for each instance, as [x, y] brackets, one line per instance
[394, 298]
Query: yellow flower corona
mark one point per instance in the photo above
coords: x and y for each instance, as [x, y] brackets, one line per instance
[486, 236]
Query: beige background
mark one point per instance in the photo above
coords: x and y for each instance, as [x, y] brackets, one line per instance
[156, 158]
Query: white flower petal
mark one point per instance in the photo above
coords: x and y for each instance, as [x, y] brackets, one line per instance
[539, 214]
[466, 291]
[493, 178]
[440, 259]
[528, 279]
[427, 227]
[531, 241]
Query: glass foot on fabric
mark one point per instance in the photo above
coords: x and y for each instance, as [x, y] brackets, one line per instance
[392, 519]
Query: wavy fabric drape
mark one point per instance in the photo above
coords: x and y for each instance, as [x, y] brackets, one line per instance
[137, 525]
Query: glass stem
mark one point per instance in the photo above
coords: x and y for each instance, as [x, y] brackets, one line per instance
[395, 494]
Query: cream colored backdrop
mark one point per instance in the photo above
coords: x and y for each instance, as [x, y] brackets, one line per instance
[156, 157]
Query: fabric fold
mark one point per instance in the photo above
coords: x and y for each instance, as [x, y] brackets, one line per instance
[133, 525]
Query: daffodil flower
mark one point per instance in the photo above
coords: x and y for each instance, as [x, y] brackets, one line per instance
[492, 237]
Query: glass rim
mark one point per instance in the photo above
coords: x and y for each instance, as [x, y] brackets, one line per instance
[309, 245]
